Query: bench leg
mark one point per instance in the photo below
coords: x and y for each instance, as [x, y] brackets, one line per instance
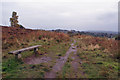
[18, 56]
[35, 51]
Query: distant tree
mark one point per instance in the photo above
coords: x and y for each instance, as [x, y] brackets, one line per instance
[70, 33]
[14, 20]
[22, 27]
[117, 38]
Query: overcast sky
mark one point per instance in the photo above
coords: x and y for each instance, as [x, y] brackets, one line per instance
[63, 14]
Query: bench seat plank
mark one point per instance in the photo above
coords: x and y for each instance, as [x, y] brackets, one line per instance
[24, 49]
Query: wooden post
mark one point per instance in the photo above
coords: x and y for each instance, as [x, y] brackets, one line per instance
[35, 51]
[18, 55]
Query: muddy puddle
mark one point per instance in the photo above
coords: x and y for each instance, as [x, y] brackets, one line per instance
[37, 60]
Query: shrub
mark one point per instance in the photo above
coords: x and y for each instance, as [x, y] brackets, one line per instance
[40, 37]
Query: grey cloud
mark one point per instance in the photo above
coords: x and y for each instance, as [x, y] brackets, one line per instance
[64, 15]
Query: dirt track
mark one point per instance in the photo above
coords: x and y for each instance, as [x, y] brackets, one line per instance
[60, 62]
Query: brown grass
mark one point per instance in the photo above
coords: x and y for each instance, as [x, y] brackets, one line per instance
[107, 45]
[16, 37]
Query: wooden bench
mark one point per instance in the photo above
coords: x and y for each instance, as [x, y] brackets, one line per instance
[17, 53]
